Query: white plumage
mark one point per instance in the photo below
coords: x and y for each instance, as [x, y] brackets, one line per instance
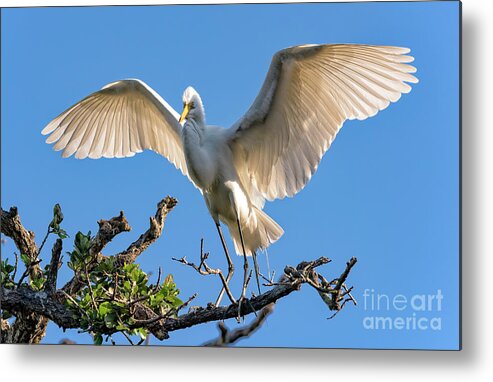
[269, 153]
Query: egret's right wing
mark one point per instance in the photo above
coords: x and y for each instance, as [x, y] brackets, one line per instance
[120, 120]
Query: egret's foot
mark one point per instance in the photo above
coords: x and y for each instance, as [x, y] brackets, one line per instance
[240, 305]
[243, 298]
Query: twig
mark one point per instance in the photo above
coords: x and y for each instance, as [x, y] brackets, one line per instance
[44, 240]
[204, 269]
[348, 292]
[345, 274]
[88, 281]
[128, 338]
[342, 279]
[72, 300]
[16, 264]
[27, 271]
[229, 337]
[116, 286]
[158, 282]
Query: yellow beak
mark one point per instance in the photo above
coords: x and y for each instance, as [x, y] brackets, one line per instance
[185, 112]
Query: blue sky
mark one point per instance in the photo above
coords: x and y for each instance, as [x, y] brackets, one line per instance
[386, 191]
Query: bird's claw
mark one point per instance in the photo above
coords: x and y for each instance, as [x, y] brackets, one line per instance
[240, 305]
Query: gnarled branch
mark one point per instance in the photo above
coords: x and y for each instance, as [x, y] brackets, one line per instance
[147, 238]
[33, 308]
[28, 328]
[24, 299]
[12, 227]
[229, 337]
[108, 229]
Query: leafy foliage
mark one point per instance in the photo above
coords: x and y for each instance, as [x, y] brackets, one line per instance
[112, 293]
[55, 223]
[6, 274]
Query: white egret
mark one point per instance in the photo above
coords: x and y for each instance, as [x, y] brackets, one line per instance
[269, 153]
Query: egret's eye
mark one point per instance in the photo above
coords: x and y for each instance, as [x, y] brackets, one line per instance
[192, 105]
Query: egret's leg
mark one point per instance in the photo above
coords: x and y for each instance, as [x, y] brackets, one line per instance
[231, 267]
[257, 270]
[245, 269]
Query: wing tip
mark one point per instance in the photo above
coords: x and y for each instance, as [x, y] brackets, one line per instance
[66, 154]
[50, 127]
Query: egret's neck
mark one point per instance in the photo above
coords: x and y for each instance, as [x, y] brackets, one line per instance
[197, 114]
[197, 156]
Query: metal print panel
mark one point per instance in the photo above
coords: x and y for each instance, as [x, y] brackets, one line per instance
[198, 195]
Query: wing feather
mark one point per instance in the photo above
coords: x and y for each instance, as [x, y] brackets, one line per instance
[120, 120]
[308, 93]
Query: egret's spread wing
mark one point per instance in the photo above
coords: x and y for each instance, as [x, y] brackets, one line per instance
[122, 119]
[307, 95]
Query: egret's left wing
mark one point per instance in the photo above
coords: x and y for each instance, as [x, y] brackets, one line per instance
[307, 95]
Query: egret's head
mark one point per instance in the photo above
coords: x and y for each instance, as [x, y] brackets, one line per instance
[192, 106]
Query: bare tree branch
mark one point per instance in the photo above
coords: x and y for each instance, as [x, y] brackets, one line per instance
[50, 284]
[228, 337]
[147, 238]
[204, 269]
[26, 300]
[12, 227]
[108, 229]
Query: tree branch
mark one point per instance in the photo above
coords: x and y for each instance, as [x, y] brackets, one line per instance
[33, 308]
[28, 327]
[147, 238]
[204, 269]
[12, 227]
[108, 229]
[50, 284]
[228, 337]
[26, 300]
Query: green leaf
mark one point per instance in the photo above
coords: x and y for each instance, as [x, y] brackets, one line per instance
[174, 301]
[142, 333]
[25, 259]
[62, 234]
[98, 339]
[8, 268]
[57, 216]
[37, 284]
[110, 320]
[105, 308]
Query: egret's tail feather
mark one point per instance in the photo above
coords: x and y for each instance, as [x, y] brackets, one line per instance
[259, 231]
